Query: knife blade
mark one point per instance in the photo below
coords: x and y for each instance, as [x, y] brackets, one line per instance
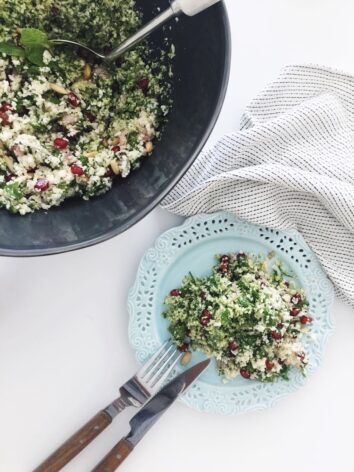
[143, 421]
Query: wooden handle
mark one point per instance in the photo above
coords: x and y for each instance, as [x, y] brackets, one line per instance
[115, 457]
[76, 443]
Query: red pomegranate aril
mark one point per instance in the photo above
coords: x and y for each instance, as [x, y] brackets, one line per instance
[233, 345]
[61, 143]
[6, 107]
[305, 319]
[301, 356]
[143, 84]
[205, 318]
[225, 259]
[275, 335]
[296, 299]
[91, 117]
[184, 347]
[109, 172]
[206, 314]
[223, 268]
[77, 170]
[116, 148]
[280, 326]
[9, 177]
[246, 374]
[269, 364]
[73, 99]
[175, 293]
[42, 185]
[294, 311]
[4, 118]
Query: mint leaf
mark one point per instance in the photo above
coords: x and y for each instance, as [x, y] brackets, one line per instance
[31, 38]
[11, 50]
[35, 55]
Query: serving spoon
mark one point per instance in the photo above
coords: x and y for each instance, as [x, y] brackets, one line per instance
[177, 7]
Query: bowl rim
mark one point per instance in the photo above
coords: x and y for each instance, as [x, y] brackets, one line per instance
[146, 210]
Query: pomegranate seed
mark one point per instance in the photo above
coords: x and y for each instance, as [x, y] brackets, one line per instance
[42, 185]
[269, 364]
[143, 84]
[73, 99]
[61, 143]
[109, 172]
[116, 148]
[4, 118]
[6, 107]
[280, 325]
[225, 259]
[223, 268]
[294, 311]
[204, 321]
[301, 356]
[233, 345]
[91, 117]
[9, 177]
[296, 299]
[305, 319]
[175, 293]
[276, 335]
[77, 170]
[246, 374]
[184, 347]
[206, 314]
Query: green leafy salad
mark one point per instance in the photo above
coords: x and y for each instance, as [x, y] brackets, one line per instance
[70, 124]
[250, 317]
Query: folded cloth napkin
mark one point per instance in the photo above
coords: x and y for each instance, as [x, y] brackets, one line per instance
[290, 166]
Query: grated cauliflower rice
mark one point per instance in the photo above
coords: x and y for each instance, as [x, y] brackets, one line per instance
[68, 127]
[247, 316]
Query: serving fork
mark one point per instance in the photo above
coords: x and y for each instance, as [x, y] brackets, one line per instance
[136, 392]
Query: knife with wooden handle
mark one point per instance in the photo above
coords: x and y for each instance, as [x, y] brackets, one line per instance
[141, 423]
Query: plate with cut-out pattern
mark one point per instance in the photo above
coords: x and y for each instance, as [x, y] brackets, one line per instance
[192, 248]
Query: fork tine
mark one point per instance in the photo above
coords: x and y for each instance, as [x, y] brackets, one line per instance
[150, 363]
[158, 363]
[165, 374]
[163, 368]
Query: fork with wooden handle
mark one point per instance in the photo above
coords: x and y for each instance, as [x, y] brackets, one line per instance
[136, 392]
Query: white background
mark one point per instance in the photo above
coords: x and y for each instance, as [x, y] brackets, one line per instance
[63, 322]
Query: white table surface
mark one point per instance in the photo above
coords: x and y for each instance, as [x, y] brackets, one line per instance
[63, 323]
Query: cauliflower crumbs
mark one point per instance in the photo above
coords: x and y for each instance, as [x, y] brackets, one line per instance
[247, 316]
[69, 127]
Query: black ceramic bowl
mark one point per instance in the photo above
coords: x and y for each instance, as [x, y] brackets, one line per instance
[201, 76]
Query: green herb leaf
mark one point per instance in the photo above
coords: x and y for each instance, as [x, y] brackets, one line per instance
[33, 38]
[11, 50]
[35, 55]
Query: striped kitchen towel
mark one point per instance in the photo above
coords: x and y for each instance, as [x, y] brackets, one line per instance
[290, 166]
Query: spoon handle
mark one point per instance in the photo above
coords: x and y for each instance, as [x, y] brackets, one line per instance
[141, 34]
[192, 7]
[188, 7]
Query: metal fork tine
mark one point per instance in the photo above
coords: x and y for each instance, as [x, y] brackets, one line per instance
[150, 363]
[157, 374]
[167, 372]
[157, 364]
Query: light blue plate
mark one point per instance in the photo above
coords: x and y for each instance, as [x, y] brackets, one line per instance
[191, 248]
